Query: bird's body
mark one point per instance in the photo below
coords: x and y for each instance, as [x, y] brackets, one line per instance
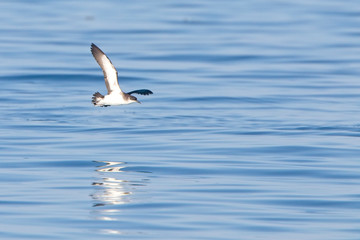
[115, 95]
[110, 99]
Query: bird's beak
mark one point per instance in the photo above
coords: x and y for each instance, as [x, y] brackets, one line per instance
[138, 101]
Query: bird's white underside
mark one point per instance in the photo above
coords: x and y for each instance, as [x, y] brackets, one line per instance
[110, 75]
[113, 99]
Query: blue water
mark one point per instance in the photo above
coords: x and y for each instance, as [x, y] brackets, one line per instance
[252, 131]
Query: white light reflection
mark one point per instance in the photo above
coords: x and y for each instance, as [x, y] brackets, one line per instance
[111, 167]
[110, 231]
[113, 189]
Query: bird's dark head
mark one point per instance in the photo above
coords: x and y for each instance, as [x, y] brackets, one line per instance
[134, 99]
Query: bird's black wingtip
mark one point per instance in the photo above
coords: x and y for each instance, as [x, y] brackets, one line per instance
[93, 46]
[141, 92]
[145, 92]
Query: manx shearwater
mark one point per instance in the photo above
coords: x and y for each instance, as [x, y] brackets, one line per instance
[115, 95]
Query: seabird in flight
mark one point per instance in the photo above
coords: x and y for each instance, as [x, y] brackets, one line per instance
[115, 95]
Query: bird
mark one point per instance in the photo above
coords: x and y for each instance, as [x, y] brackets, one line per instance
[115, 95]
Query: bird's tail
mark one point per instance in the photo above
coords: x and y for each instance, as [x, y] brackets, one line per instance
[97, 97]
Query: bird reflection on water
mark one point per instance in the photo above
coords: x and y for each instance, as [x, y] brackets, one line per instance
[111, 190]
[114, 189]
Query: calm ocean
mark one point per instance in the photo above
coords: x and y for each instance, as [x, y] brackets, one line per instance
[252, 131]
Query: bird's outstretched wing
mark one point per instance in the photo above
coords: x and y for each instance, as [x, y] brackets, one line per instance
[110, 73]
[141, 91]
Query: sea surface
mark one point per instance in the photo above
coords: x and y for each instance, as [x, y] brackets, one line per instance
[253, 130]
